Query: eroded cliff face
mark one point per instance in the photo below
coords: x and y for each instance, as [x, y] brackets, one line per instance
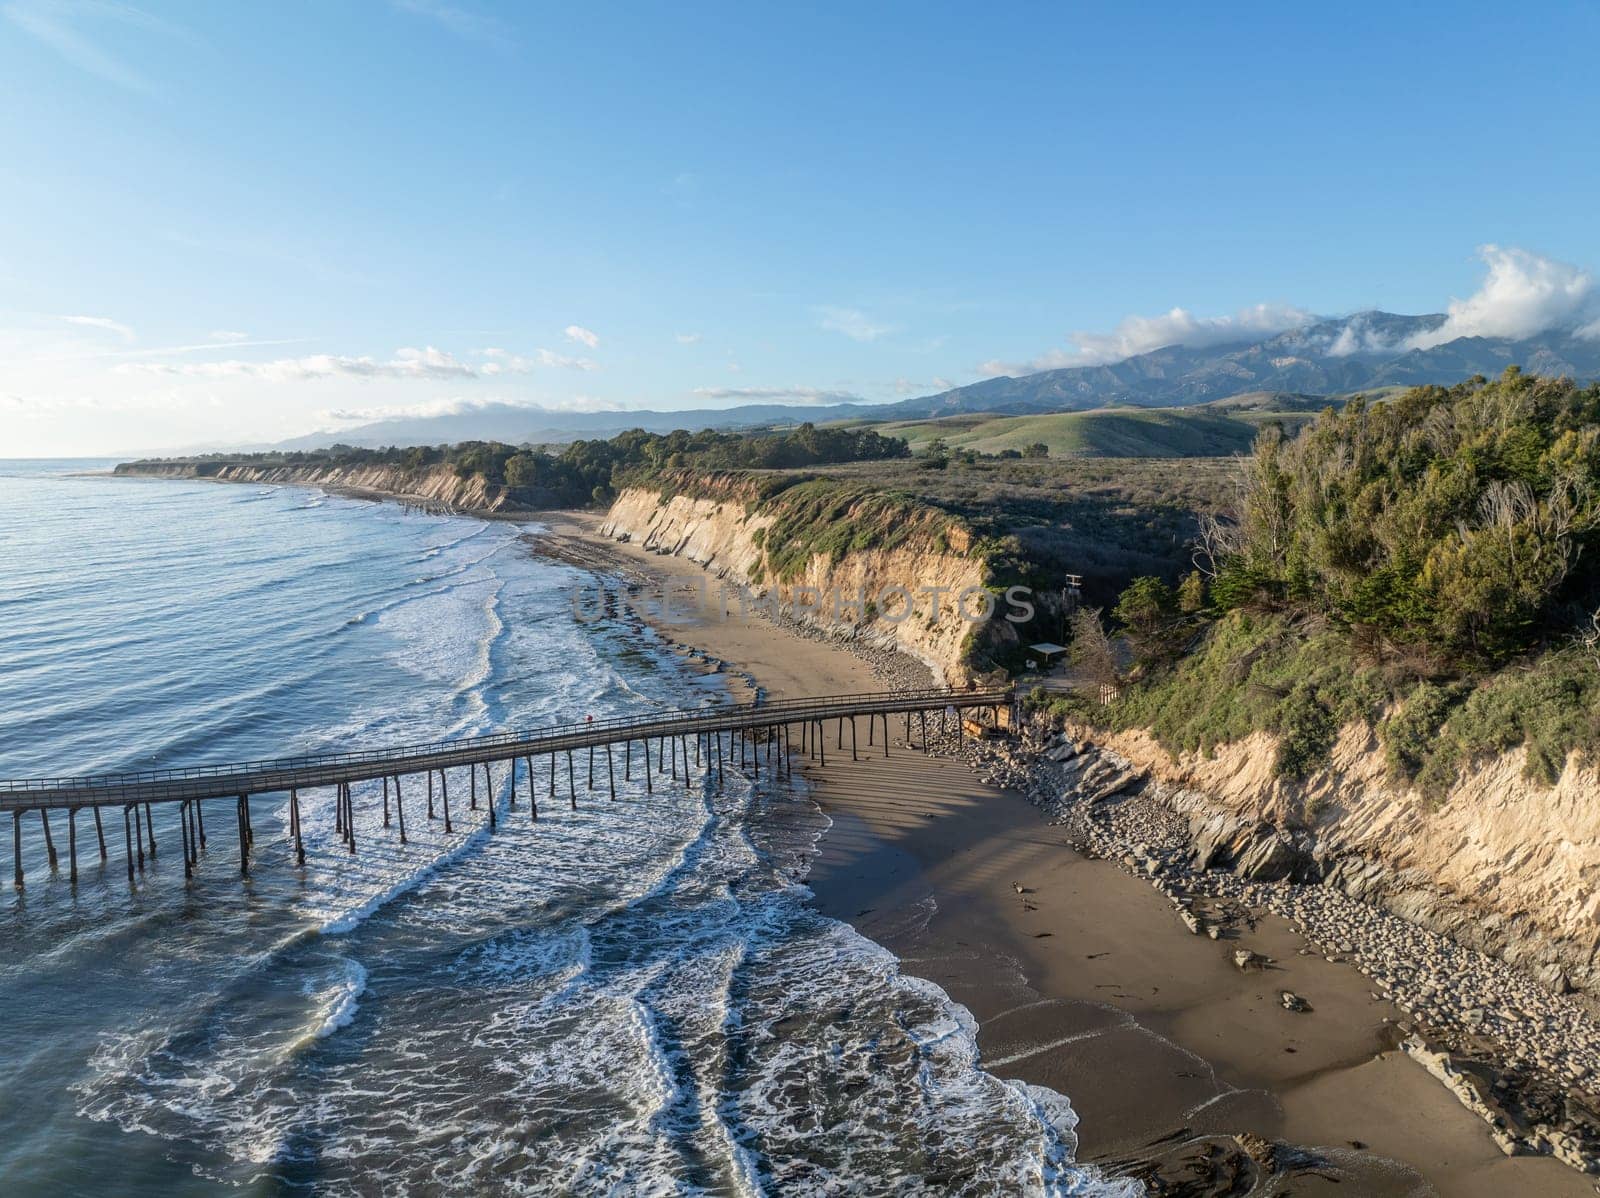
[1503, 863]
[726, 536]
[435, 484]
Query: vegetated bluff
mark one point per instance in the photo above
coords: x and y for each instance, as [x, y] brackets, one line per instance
[1392, 654]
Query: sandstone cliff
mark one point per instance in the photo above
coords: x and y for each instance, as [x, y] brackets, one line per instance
[1503, 864]
[433, 484]
[724, 525]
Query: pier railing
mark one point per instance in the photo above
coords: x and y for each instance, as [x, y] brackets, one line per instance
[307, 771]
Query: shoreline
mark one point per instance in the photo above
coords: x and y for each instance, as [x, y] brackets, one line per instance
[1178, 1064]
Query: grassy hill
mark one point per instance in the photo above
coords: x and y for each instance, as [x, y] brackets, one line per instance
[1105, 433]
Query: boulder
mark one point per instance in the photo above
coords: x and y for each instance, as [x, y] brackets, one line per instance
[1269, 859]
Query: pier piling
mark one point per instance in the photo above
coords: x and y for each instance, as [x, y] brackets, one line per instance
[16, 848]
[100, 832]
[50, 844]
[72, 843]
[400, 807]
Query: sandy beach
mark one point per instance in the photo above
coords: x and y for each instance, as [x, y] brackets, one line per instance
[1086, 981]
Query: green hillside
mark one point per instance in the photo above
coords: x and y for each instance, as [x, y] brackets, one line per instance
[1107, 433]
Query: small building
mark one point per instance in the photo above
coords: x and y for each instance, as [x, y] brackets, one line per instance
[1047, 654]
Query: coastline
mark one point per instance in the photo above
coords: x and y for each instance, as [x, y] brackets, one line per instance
[1178, 1064]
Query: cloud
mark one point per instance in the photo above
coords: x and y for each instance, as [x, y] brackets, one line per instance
[463, 22]
[1524, 294]
[501, 361]
[576, 332]
[1141, 334]
[429, 363]
[103, 322]
[687, 338]
[227, 335]
[57, 23]
[461, 406]
[799, 395]
[852, 322]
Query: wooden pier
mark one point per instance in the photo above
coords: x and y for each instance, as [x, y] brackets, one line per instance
[744, 736]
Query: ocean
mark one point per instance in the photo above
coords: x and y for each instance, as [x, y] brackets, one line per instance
[631, 998]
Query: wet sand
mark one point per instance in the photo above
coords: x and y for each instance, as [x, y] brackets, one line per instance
[1088, 983]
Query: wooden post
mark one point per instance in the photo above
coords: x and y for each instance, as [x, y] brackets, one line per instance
[852, 738]
[472, 784]
[572, 788]
[385, 802]
[127, 844]
[870, 721]
[649, 788]
[886, 734]
[755, 758]
[100, 831]
[591, 767]
[138, 838]
[294, 819]
[922, 717]
[49, 844]
[400, 807]
[661, 753]
[194, 833]
[840, 745]
[488, 793]
[698, 737]
[16, 849]
[552, 774]
[430, 795]
[611, 778]
[183, 831]
[511, 803]
[72, 843]
[338, 810]
[444, 792]
[200, 821]
[822, 744]
[244, 840]
[533, 801]
[349, 817]
[674, 741]
[627, 761]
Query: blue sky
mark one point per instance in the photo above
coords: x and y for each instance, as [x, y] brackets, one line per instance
[237, 222]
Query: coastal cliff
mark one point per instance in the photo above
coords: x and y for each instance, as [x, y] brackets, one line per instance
[439, 484]
[1500, 862]
[806, 547]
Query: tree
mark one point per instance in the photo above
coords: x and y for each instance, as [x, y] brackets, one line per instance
[1148, 610]
[1036, 450]
[1090, 650]
[1192, 593]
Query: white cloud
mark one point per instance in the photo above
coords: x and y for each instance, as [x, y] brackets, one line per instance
[1524, 294]
[852, 322]
[801, 395]
[687, 338]
[460, 406]
[429, 363]
[501, 361]
[463, 22]
[103, 322]
[57, 23]
[576, 332]
[1141, 334]
[227, 335]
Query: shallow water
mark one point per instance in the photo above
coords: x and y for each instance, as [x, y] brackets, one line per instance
[632, 998]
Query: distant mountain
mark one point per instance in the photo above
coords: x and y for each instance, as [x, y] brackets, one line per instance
[518, 424]
[1328, 357]
[1363, 352]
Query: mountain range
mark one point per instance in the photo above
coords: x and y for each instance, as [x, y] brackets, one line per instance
[1334, 356]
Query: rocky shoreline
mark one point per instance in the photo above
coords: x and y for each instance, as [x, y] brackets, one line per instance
[1519, 1055]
